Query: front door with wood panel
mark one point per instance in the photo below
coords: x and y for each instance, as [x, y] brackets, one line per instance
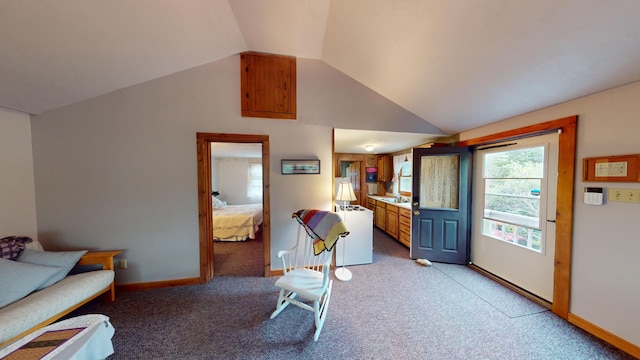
[441, 204]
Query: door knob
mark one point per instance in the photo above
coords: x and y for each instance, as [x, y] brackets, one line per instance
[416, 213]
[415, 203]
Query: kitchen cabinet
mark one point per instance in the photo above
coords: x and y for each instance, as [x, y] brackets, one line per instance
[268, 85]
[371, 160]
[371, 204]
[391, 226]
[385, 168]
[381, 218]
[404, 224]
[394, 219]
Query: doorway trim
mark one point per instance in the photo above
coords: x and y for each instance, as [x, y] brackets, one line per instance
[564, 200]
[205, 210]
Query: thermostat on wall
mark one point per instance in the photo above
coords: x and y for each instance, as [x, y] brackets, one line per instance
[593, 195]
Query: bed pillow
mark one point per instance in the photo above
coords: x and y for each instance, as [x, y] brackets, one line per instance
[18, 280]
[218, 204]
[34, 245]
[64, 261]
[12, 246]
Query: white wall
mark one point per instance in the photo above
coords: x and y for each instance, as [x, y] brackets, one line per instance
[234, 179]
[17, 193]
[119, 171]
[606, 244]
[215, 179]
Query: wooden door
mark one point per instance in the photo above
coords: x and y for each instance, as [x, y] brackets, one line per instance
[441, 204]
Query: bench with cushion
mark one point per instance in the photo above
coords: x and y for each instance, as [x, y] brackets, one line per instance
[36, 287]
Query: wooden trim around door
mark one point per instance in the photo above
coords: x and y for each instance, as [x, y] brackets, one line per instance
[205, 211]
[564, 207]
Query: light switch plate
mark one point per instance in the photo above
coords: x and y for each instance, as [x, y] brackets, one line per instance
[624, 195]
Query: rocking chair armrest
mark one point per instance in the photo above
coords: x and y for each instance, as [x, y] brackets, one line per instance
[282, 253]
[285, 257]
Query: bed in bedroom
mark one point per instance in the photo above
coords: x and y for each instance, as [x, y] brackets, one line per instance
[236, 222]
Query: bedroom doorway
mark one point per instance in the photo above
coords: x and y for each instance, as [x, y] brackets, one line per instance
[246, 157]
[236, 180]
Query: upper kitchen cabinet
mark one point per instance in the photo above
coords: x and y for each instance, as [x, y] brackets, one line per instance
[268, 85]
[371, 160]
[385, 168]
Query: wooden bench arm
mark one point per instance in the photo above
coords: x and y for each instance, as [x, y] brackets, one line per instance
[104, 258]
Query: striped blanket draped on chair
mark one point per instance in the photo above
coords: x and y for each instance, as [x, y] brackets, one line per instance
[324, 227]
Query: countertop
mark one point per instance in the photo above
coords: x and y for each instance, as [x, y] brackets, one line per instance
[391, 200]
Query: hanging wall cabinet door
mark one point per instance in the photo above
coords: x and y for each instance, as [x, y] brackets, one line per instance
[268, 85]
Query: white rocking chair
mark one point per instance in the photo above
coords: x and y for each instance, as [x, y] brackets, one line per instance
[305, 275]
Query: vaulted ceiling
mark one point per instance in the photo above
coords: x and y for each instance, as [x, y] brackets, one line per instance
[455, 64]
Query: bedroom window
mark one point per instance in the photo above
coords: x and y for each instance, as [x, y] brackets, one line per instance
[254, 183]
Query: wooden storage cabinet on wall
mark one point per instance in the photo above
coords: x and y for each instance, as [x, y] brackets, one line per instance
[385, 168]
[404, 221]
[268, 85]
[392, 221]
[371, 161]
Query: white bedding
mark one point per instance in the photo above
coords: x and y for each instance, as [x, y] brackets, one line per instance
[236, 222]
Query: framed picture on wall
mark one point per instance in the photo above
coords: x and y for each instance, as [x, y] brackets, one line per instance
[292, 166]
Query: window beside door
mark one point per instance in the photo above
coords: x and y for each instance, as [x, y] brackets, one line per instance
[512, 187]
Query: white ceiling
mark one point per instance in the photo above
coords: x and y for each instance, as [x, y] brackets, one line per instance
[455, 64]
[353, 141]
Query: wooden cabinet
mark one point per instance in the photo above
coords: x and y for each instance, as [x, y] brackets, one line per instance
[268, 85]
[381, 217]
[385, 168]
[371, 160]
[392, 220]
[371, 204]
[404, 220]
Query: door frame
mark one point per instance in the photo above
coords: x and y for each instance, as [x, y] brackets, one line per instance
[205, 210]
[338, 159]
[567, 128]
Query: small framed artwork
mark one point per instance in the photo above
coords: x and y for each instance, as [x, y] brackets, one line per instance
[621, 168]
[292, 167]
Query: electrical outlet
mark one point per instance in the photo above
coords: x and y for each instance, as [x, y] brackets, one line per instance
[122, 263]
[624, 195]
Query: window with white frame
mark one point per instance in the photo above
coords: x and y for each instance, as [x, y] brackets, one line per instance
[254, 182]
[405, 178]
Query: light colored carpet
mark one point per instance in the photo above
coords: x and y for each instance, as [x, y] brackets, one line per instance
[392, 309]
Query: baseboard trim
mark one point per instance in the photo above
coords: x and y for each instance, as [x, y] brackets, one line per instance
[603, 334]
[278, 272]
[538, 300]
[157, 284]
[583, 324]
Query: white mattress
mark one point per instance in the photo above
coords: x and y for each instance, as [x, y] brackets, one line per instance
[237, 222]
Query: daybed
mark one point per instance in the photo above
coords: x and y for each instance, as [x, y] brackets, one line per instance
[52, 299]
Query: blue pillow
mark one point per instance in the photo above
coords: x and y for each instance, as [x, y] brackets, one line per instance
[64, 261]
[18, 280]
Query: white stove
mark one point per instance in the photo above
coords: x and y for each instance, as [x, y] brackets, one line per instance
[357, 247]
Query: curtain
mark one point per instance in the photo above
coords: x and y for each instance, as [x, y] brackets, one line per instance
[397, 165]
[254, 183]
